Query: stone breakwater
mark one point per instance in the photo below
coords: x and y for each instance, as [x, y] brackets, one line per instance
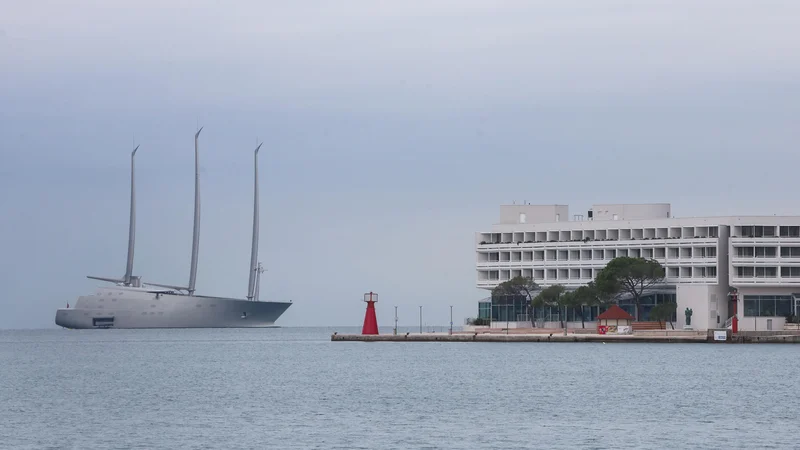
[517, 337]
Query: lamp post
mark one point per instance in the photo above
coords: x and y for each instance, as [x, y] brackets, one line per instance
[420, 319]
[507, 314]
[451, 319]
[395, 320]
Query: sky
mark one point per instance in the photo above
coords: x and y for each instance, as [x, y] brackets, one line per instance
[392, 133]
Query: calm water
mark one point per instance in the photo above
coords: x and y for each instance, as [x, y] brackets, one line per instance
[293, 388]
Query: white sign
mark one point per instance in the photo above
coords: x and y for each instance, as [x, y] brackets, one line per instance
[623, 329]
[720, 335]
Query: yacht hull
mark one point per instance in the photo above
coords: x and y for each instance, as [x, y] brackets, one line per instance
[132, 308]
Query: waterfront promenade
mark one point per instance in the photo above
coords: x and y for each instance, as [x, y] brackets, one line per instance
[557, 335]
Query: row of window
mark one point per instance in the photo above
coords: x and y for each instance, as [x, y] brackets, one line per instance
[766, 231]
[622, 234]
[768, 252]
[768, 305]
[767, 272]
[585, 273]
[598, 254]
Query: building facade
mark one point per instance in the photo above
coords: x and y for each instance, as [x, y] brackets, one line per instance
[705, 258]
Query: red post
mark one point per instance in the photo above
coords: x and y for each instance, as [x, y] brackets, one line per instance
[735, 321]
[370, 319]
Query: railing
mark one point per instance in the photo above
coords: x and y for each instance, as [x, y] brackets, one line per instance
[729, 322]
[612, 242]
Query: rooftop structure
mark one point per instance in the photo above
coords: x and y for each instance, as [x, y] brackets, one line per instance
[615, 313]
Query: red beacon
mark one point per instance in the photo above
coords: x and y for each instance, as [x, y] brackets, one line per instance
[370, 319]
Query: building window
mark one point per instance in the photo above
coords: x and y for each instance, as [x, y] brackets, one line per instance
[766, 252]
[790, 272]
[484, 310]
[758, 231]
[791, 231]
[766, 272]
[745, 252]
[767, 305]
[790, 252]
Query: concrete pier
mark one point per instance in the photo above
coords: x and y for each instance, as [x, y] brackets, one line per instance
[682, 338]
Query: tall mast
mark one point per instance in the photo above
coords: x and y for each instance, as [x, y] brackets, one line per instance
[196, 231]
[254, 247]
[132, 224]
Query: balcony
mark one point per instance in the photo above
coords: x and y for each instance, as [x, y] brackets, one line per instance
[582, 243]
[763, 281]
[745, 241]
[753, 261]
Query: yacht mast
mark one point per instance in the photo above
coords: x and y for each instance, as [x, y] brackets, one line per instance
[254, 246]
[128, 279]
[196, 231]
[132, 224]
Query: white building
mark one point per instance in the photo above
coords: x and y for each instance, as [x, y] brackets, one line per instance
[704, 257]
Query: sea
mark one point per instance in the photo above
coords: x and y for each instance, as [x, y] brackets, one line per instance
[292, 388]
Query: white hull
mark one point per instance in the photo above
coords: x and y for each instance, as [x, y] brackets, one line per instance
[124, 307]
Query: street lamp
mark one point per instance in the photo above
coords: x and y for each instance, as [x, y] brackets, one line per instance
[420, 319]
[451, 319]
[507, 314]
[395, 320]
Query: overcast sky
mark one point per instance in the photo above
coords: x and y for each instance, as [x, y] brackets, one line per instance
[392, 131]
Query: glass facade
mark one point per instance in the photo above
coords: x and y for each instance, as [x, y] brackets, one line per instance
[553, 313]
[513, 308]
[485, 310]
[509, 308]
[768, 305]
[646, 304]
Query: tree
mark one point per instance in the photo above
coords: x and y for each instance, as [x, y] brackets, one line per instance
[631, 276]
[582, 297]
[565, 301]
[551, 296]
[518, 286]
[663, 313]
[588, 295]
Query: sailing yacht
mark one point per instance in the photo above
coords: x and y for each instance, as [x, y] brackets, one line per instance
[129, 303]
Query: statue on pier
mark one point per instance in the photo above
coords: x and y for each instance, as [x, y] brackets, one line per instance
[688, 313]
